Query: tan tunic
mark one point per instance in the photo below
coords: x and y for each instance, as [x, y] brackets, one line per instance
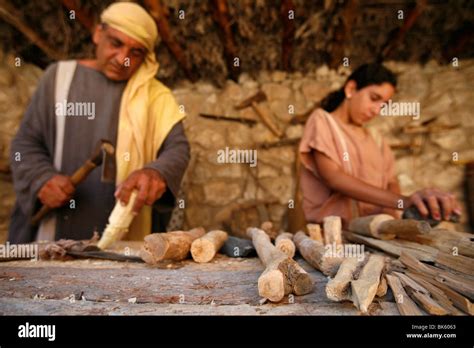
[360, 157]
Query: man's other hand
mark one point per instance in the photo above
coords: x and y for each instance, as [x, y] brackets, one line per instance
[148, 182]
[56, 191]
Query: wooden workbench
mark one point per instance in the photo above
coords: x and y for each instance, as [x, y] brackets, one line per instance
[225, 286]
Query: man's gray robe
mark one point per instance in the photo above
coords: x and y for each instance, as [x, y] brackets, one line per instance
[32, 153]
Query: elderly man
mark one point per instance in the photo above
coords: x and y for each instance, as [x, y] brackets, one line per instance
[128, 107]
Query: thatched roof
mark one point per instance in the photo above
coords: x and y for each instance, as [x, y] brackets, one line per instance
[205, 37]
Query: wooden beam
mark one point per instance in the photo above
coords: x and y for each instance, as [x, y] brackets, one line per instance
[15, 18]
[397, 38]
[343, 32]
[221, 16]
[288, 33]
[84, 17]
[458, 41]
[160, 14]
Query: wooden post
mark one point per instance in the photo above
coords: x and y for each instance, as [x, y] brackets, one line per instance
[205, 248]
[169, 246]
[84, 17]
[316, 255]
[14, 17]
[284, 242]
[332, 230]
[282, 275]
[314, 231]
[159, 14]
[222, 18]
[288, 33]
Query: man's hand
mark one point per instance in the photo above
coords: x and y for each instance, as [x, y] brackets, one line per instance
[149, 183]
[435, 201]
[56, 191]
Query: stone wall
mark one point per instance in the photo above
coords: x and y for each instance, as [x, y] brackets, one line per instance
[424, 148]
[235, 195]
[17, 85]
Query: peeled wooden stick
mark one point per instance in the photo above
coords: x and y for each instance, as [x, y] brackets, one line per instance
[205, 248]
[284, 242]
[365, 287]
[169, 246]
[316, 254]
[314, 231]
[337, 289]
[282, 275]
[119, 222]
[332, 230]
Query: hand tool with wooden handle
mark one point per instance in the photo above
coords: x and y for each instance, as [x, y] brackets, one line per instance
[102, 155]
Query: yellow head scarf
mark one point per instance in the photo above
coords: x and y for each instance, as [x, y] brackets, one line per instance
[148, 110]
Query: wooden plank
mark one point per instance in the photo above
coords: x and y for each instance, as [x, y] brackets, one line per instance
[421, 295]
[446, 241]
[405, 304]
[226, 286]
[463, 285]
[457, 262]
[457, 299]
[436, 293]
[389, 247]
[365, 287]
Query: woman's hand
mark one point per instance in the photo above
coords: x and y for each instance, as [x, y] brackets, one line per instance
[434, 201]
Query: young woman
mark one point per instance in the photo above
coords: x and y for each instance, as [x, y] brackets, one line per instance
[345, 171]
